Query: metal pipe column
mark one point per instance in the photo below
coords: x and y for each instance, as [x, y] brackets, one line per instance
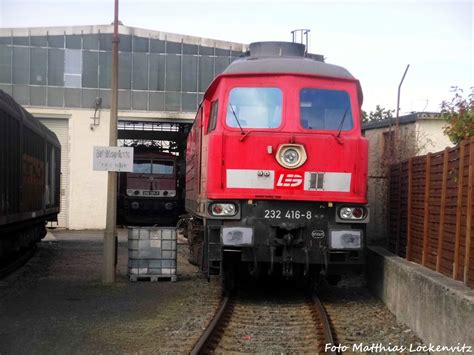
[110, 234]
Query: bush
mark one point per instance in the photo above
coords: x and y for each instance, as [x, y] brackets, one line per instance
[459, 113]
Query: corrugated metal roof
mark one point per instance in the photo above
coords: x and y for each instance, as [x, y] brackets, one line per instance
[123, 30]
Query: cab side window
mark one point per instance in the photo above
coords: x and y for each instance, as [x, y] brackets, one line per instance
[213, 116]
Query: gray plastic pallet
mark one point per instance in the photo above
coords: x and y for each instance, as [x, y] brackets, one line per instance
[153, 278]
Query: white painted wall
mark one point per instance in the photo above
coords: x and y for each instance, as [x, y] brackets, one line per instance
[432, 133]
[87, 190]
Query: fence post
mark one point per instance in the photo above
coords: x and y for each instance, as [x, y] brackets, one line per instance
[409, 207]
[397, 246]
[426, 206]
[457, 238]
[467, 254]
[388, 215]
[442, 210]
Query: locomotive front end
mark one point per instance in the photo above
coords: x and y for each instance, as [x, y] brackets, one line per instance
[150, 194]
[278, 170]
[294, 208]
[294, 238]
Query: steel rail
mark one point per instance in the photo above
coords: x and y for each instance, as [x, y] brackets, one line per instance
[202, 344]
[17, 263]
[328, 337]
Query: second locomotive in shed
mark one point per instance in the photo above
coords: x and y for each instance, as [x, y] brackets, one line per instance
[152, 194]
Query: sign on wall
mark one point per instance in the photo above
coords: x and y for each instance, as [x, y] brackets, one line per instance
[113, 159]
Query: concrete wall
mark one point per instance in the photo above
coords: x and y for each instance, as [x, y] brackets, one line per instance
[418, 138]
[378, 178]
[376, 195]
[376, 188]
[438, 309]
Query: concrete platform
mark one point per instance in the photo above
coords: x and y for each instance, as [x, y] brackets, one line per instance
[57, 304]
[438, 309]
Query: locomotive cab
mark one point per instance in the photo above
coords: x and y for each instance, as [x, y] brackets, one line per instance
[277, 168]
[151, 193]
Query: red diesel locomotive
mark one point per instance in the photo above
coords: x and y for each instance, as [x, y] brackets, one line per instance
[151, 194]
[276, 168]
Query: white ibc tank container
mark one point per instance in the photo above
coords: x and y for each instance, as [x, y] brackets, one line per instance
[152, 253]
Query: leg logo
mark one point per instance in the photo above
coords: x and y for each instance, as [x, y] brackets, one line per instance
[289, 180]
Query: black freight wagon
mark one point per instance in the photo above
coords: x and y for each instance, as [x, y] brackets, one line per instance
[30, 156]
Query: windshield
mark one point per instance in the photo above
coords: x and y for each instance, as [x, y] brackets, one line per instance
[163, 167]
[142, 166]
[325, 110]
[155, 167]
[254, 107]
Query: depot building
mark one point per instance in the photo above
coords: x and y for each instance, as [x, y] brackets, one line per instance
[62, 75]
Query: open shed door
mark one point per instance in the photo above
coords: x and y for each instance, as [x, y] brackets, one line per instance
[60, 127]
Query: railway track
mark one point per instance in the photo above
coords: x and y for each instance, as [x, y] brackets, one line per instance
[17, 262]
[271, 323]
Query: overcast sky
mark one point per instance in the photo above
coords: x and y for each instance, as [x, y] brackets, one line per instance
[374, 40]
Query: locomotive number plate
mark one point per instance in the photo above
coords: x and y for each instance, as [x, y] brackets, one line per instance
[151, 193]
[287, 214]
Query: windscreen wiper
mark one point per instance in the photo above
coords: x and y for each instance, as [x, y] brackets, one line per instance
[342, 123]
[236, 118]
[338, 136]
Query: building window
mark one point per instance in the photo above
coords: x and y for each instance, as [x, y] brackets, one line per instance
[73, 68]
[55, 67]
[105, 63]
[21, 65]
[90, 69]
[38, 66]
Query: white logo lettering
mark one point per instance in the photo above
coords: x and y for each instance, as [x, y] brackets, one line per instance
[290, 180]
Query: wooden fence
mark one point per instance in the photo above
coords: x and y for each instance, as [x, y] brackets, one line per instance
[431, 211]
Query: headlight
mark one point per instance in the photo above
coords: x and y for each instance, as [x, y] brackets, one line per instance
[132, 192]
[291, 156]
[346, 239]
[352, 213]
[223, 209]
[345, 213]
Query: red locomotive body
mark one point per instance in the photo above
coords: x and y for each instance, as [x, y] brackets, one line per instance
[150, 194]
[277, 167]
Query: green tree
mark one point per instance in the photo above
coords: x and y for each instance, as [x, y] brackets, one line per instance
[459, 113]
[380, 113]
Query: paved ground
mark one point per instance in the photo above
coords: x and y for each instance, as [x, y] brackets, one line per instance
[56, 304]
